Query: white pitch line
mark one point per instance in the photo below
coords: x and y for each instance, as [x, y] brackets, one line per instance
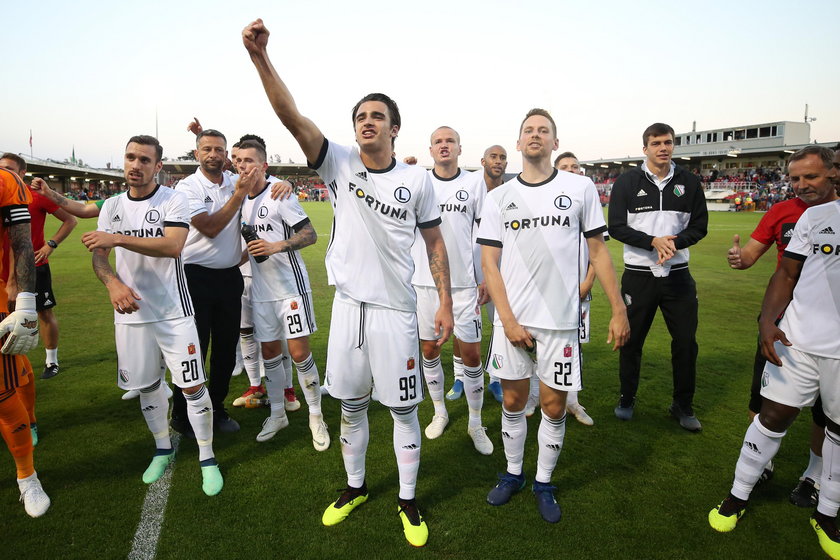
[144, 546]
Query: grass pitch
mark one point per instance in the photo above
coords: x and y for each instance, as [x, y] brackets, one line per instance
[631, 490]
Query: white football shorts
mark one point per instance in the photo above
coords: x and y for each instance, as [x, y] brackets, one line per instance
[584, 321]
[373, 345]
[139, 346]
[801, 379]
[465, 308]
[246, 320]
[556, 360]
[284, 319]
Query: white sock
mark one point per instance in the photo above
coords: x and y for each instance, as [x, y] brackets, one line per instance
[830, 479]
[458, 367]
[571, 399]
[275, 383]
[534, 391]
[814, 468]
[550, 440]
[760, 446]
[200, 415]
[355, 434]
[514, 430]
[155, 408]
[52, 356]
[250, 358]
[407, 448]
[474, 391]
[287, 368]
[433, 373]
[310, 385]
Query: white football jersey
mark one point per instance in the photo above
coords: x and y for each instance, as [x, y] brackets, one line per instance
[224, 250]
[159, 281]
[376, 213]
[538, 227]
[812, 320]
[282, 275]
[245, 268]
[460, 200]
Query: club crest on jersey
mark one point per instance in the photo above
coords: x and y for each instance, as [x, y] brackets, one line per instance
[563, 202]
[402, 194]
[409, 364]
[294, 305]
[153, 216]
[567, 351]
[462, 195]
[191, 348]
[679, 190]
[262, 212]
[497, 361]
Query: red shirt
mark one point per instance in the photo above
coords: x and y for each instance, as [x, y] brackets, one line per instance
[38, 210]
[777, 225]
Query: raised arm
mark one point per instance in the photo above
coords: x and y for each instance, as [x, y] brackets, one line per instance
[308, 136]
[74, 207]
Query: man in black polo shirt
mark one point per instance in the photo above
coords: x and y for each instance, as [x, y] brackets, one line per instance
[658, 210]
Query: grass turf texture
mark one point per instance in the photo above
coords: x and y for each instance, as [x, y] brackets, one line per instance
[628, 490]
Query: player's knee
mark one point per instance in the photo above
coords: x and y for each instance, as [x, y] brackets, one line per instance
[430, 349]
[191, 390]
[777, 417]
[247, 331]
[271, 350]
[471, 354]
[513, 401]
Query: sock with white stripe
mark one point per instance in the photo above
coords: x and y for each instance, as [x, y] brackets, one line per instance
[287, 369]
[814, 468]
[407, 448]
[200, 415]
[275, 383]
[433, 373]
[52, 355]
[458, 367]
[155, 408]
[514, 431]
[355, 434]
[830, 480]
[474, 391]
[760, 446]
[307, 371]
[534, 389]
[550, 437]
[572, 399]
[250, 358]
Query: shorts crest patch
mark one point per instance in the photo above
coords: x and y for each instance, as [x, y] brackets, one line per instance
[410, 364]
[765, 378]
[567, 351]
[497, 361]
[294, 305]
[191, 349]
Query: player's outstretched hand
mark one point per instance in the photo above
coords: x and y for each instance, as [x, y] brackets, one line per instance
[21, 326]
[767, 336]
[281, 190]
[195, 126]
[39, 185]
[410, 160]
[619, 330]
[733, 256]
[123, 298]
[255, 36]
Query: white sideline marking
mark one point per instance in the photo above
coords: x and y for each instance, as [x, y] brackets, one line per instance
[144, 546]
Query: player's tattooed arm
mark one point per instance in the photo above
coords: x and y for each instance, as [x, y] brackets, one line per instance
[304, 237]
[74, 207]
[123, 298]
[20, 240]
[439, 266]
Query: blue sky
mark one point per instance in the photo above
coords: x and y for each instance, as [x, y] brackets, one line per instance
[91, 74]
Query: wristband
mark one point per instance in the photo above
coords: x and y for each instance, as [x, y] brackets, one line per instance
[52, 244]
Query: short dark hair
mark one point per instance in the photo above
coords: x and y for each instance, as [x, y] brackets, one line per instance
[253, 137]
[209, 132]
[236, 145]
[542, 113]
[393, 110]
[19, 161]
[564, 155]
[146, 140]
[253, 145]
[825, 154]
[657, 129]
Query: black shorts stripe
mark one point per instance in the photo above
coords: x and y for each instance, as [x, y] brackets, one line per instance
[183, 292]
